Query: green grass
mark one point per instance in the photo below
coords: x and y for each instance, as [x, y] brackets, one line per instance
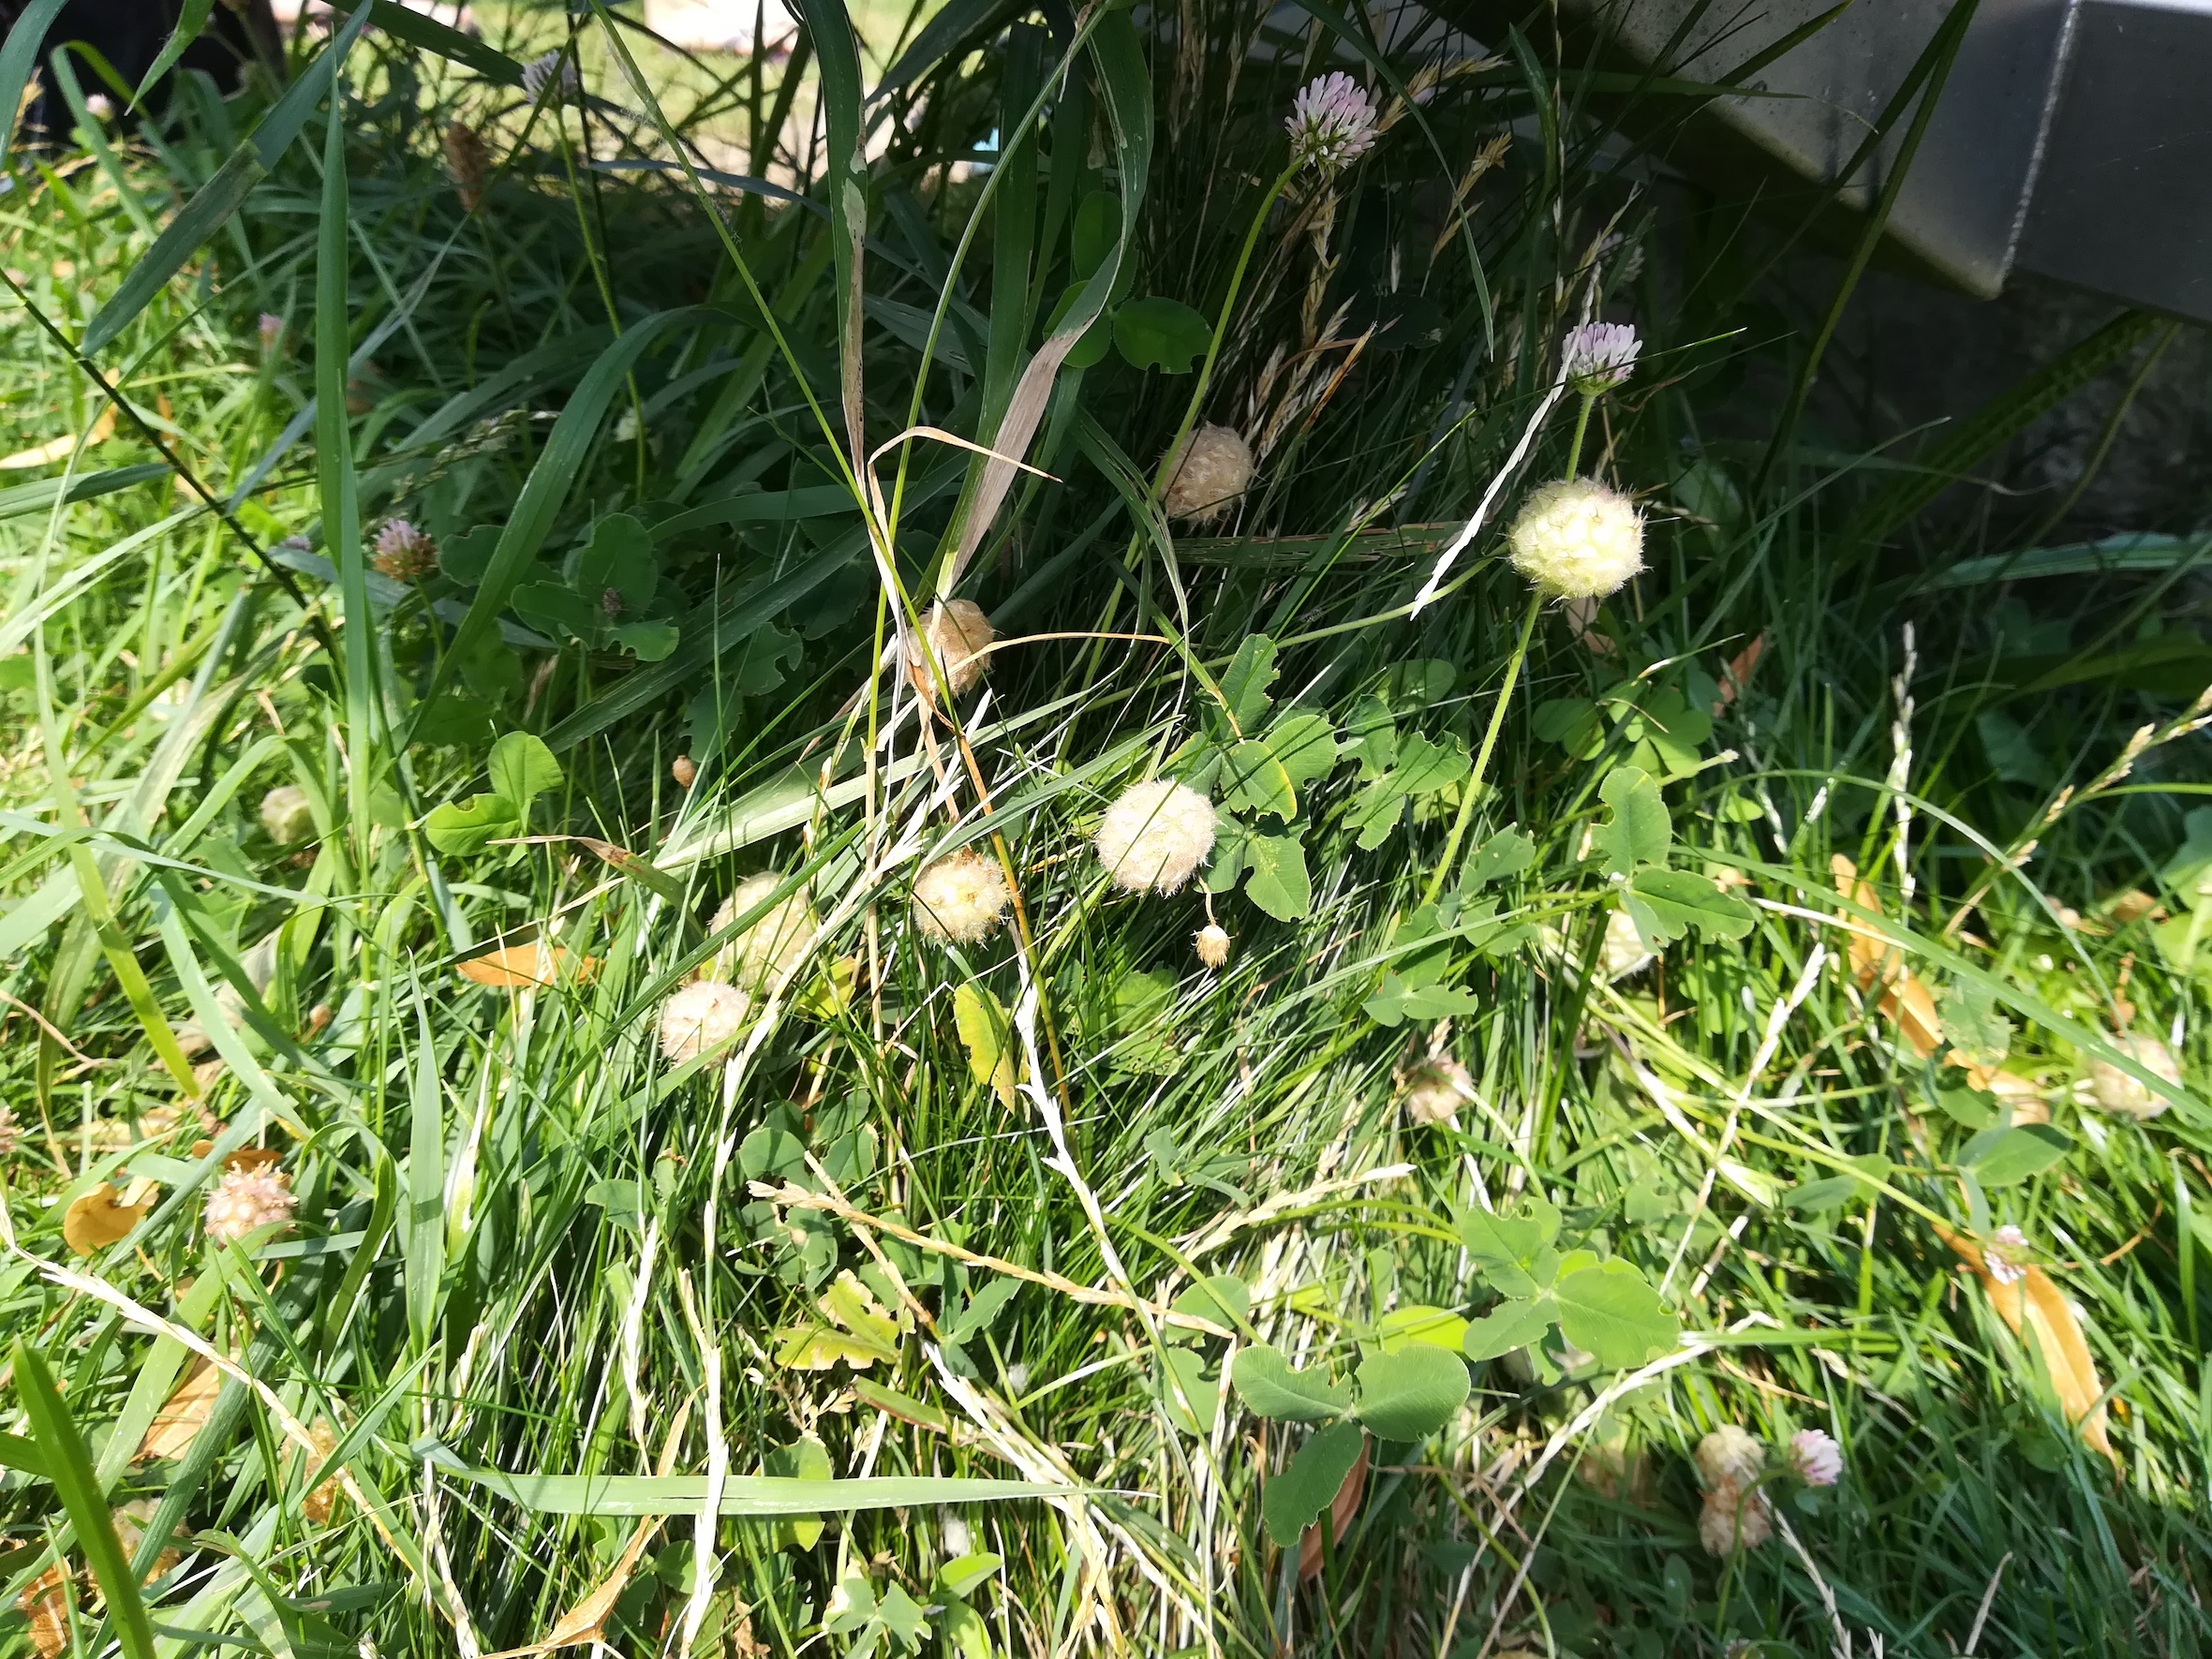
[527, 1245]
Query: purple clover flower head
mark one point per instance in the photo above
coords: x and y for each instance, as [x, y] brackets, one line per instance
[2005, 1256]
[1816, 1457]
[1331, 124]
[1601, 356]
[272, 330]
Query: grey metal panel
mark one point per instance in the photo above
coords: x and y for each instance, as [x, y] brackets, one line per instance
[2123, 203]
[1959, 211]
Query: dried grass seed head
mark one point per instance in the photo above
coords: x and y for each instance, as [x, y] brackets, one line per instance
[1576, 538]
[962, 898]
[700, 1017]
[1212, 471]
[1155, 836]
[1734, 1518]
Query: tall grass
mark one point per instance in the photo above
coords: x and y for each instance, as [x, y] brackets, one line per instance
[670, 390]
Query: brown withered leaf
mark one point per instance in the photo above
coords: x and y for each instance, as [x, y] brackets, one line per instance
[46, 1604]
[536, 963]
[101, 1218]
[2033, 1300]
[319, 1506]
[171, 1431]
[1342, 1507]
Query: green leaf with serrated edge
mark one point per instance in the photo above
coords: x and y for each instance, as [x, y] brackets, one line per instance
[1371, 738]
[1161, 333]
[1513, 1251]
[1505, 854]
[961, 1576]
[1377, 809]
[1973, 1025]
[648, 642]
[1411, 1392]
[1294, 1498]
[1199, 1407]
[1574, 725]
[1424, 767]
[1639, 832]
[462, 830]
[619, 558]
[805, 1459]
[1510, 1325]
[1678, 900]
[1268, 1387]
[1610, 1312]
[1264, 774]
[522, 768]
[1228, 865]
[1420, 682]
[1244, 683]
[1278, 882]
[2005, 1156]
[1440, 1328]
[987, 1035]
[557, 609]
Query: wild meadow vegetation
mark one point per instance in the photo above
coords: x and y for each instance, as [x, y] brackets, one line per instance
[851, 849]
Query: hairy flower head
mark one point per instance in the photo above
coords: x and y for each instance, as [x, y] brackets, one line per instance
[1214, 469]
[1331, 124]
[249, 1197]
[2124, 1096]
[537, 74]
[1816, 1457]
[1212, 944]
[286, 816]
[961, 897]
[1434, 1090]
[1599, 356]
[700, 1017]
[404, 552]
[1624, 951]
[1731, 1454]
[2006, 1254]
[1576, 538]
[773, 947]
[469, 163]
[958, 635]
[1155, 836]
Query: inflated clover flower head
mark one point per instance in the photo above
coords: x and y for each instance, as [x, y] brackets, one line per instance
[2006, 1254]
[771, 950]
[1331, 122]
[1734, 1518]
[286, 816]
[1213, 469]
[404, 552]
[2113, 1090]
[1577, 539]
[1434, 1090]
[700, 1017]
[1623, 953]
[1155, 836]
[958, 635]
[249, 1197]
[1212, 944]
[1731, 1454]
[962, 898]
[1816, 1457]
[1599, 356]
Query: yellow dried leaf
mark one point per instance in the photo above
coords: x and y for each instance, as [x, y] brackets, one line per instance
[62, 447]
[321, 1503]
[1912, 1005]
[532, 964]
[101, 1218]
[46, 1604]
[855, 1330]
[2035, 1301]
[172, 1433]
[987, 1035]
[1868, 949]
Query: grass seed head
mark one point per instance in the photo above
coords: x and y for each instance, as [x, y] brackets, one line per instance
[1212, 942]
[2113, 1090]
[772, 949]
[700, 1017]
[958, 635]
[246, 1199]
[962, 898]
[1155, 836]
[1576, 538]
[286, 816]
[1213, 470]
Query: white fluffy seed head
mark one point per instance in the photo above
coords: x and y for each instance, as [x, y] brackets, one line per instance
[1734, 1518]
[959, 634]
[286, 816]
[1155, 836]
[700, 1017]
[1816, 1457]
[962, 898]
[2113, 1090]
[1434, 1091]
[1624, 951]
[1576, 538]
[1214, 470]
[1212, 942]
[1731, 1454]
[246, 1198]
[772, 949]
